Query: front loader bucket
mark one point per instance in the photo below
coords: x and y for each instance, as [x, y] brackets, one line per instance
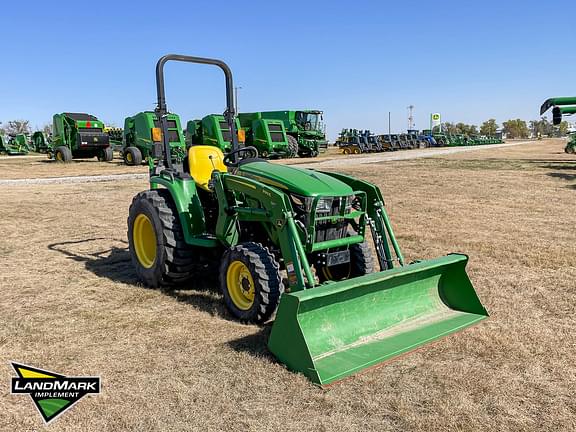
[334, 330]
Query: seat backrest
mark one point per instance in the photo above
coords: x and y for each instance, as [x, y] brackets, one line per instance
[202, 160]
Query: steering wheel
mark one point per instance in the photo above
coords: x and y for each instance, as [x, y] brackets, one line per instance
[233, 158]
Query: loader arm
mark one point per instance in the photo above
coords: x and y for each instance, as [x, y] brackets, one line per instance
[378, 219]
[274, 210]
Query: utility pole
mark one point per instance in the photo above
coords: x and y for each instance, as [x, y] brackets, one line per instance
[236, 98]
[410, 117]
[389, 127]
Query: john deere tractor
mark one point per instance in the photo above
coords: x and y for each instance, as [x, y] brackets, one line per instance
[561, 106]
[142, 133]
[292, 243]
[79, 135]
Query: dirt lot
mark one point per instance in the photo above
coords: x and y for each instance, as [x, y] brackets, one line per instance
[176, 361]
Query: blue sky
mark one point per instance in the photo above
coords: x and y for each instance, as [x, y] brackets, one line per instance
[355, 60]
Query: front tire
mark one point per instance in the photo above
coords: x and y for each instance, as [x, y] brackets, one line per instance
[132, 156]
[250, 282]
[361, 263]
[62, 154]
[106, 155]
[157, 248]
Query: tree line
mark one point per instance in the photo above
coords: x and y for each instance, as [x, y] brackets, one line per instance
[514, 128]
[20, 126]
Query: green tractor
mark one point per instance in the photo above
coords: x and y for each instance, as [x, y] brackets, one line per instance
[268, 136]
[79, 135]
[212, 130]
[142, 133]
[561, 106]
[292, 243]
[41, 142]
[303, 128]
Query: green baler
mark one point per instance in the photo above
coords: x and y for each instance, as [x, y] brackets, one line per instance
[303, 128]
[267, 135]
[212, 130]
[142, 133]
[293, 242]
[79, 135]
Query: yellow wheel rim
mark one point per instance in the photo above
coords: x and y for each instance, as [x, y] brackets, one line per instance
[129, 157]
[356, 151]
[59, 156]
[144, 238]
[240, 285]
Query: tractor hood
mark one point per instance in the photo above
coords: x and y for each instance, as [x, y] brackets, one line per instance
[300, 181]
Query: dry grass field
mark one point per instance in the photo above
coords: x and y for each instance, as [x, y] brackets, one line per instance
[176, 361]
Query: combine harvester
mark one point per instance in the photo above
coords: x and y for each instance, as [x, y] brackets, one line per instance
[561, 106]
[79, 135]
[292, 243]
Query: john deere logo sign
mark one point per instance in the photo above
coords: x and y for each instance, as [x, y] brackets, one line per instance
[436, 117]
[51, 393]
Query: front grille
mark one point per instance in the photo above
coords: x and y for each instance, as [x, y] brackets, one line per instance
[331, 230]
[90, 130]
[275, 128]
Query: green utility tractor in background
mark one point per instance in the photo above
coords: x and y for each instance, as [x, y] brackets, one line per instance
[268, 136]
[14, 145]
[142, 133]
[79, 135]
[41, 142]
[291, 243]
[212, 130]
[304, 128]
[561, 106]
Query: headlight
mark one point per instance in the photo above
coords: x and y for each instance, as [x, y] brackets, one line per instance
[324, 205]
[303, 203]
[349, 201]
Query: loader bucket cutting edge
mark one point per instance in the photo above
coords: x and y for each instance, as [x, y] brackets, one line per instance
[337, 329]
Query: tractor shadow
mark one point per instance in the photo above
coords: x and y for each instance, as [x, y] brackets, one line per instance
[563, 171]
[255, 344]
[114, 263]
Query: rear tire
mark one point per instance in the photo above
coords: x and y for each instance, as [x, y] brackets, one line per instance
[157, 248]
[132, 156]
[250, 282]
[292, 146]
[62, 154]
[106, 155]
[361, 263]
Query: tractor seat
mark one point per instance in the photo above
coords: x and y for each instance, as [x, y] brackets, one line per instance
[202, 161]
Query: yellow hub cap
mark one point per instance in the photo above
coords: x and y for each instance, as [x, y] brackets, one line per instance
[59, 156]
[144, 238]
[129, 157]
[240, 285]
